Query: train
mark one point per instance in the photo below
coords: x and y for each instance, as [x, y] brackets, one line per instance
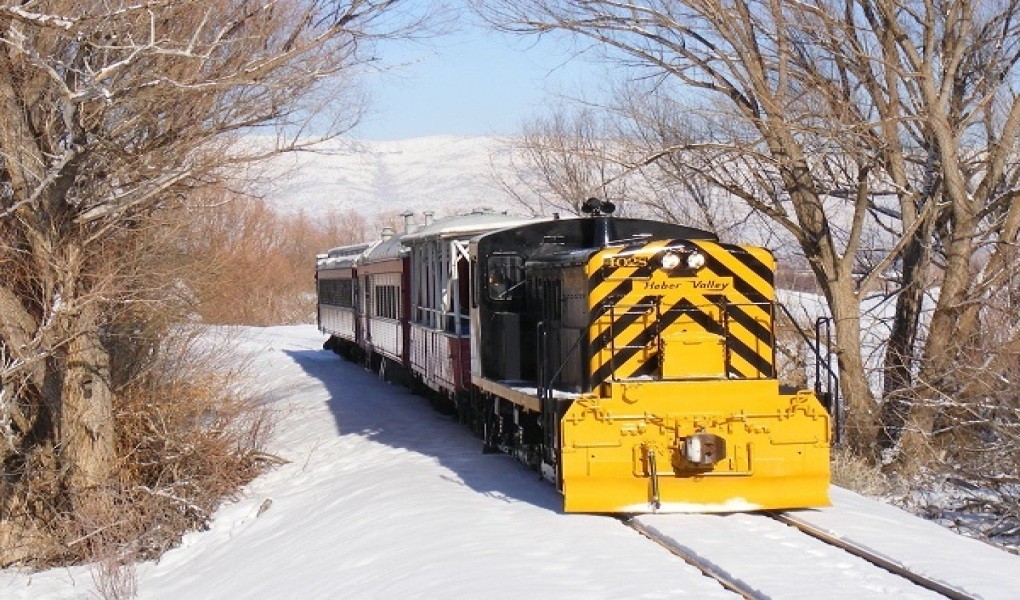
[631, 362]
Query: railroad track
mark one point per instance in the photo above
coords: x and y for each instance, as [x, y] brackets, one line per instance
[708, 569]
[872, 557]
[828, 553]
[781, 555]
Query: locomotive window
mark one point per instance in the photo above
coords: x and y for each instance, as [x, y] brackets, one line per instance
[505, 275]
[473, 270]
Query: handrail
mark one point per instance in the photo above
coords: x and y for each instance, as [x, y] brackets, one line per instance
[546, 380]
[541, 341]
[807, 340]
[442, 318]
[723, 321]
[832, 393]
[836, 408]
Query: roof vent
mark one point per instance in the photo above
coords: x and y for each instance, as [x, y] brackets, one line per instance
[428, 217]
[387, 234]
[408, 220]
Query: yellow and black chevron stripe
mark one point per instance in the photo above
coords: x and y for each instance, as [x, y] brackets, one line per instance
[634, 303]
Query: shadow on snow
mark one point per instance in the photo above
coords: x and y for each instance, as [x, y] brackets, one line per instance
[364, 405]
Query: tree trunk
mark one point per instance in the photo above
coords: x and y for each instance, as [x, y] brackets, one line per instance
[86, 409]
[899, 354]
[834, 273]
[944, 343]
[861, 410]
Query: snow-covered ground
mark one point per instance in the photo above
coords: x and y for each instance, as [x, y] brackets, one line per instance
[383, 498]
[778, 561]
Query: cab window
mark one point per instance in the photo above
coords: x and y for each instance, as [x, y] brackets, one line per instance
[505, 276]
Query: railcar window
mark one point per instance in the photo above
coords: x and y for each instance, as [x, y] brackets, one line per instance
[336, 292]
[505, 275]
[387, 301]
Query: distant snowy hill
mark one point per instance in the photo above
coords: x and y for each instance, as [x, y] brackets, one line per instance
[441, 173]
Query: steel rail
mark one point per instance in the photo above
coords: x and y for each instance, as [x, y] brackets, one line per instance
[709, 570]
[742, 589]
[872, 557]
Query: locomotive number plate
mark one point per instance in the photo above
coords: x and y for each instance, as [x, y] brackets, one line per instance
[617, 262]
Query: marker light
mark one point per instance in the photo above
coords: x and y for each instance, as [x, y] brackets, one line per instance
[695, 260]
[670, 261]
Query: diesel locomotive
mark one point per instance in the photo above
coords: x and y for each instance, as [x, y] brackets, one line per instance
[631, 362]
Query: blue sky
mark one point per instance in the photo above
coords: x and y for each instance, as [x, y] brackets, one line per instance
[471, 82]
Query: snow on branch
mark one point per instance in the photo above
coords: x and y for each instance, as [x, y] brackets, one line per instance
[39, 19]
[53, 173]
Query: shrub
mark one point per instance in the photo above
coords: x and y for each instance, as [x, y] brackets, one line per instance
[189, 434]
[856, 473]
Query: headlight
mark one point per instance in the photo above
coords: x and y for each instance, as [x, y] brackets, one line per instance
[670, 261]
[695, 260]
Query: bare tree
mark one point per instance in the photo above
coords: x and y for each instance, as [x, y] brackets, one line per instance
[109, 113]
[666, 148]
[770, 160]
[236, 260]
[563, 159]
[963, 94]
[834, 118]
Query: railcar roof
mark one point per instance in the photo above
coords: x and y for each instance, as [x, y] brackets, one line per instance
[468, 225]
[385, 250]
[345, 256]
[350, 249]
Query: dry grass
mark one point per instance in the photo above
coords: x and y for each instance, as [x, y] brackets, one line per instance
[189, 436]
[856, 473]
[115, 578]
[243, 263]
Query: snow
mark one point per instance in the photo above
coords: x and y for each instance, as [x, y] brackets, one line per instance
[971, 566]
[384, 498]
[443, 173]
[769, 557]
